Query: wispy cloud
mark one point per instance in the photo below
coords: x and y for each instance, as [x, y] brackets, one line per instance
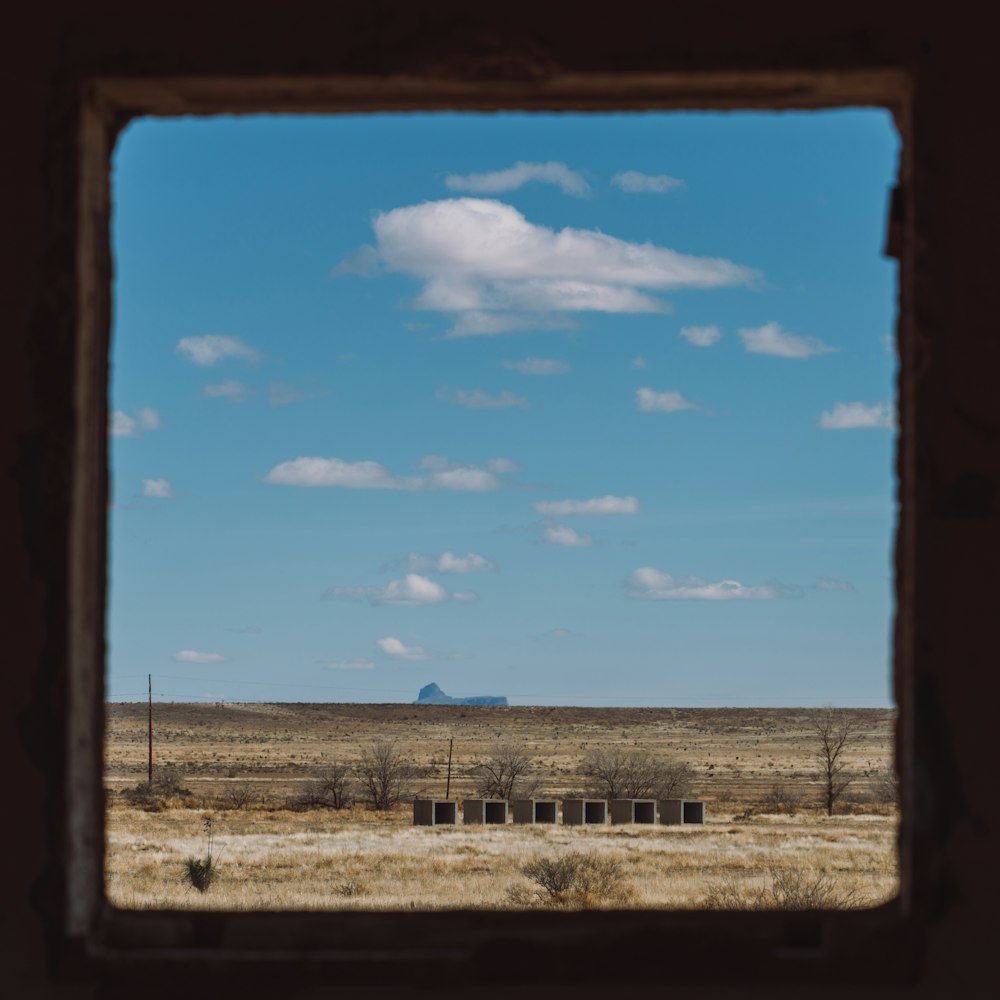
[477, 399]
[595, 507]
[563, 534]
[195, 656]
[648, 583]
[444, 474]
[639, 362]
[360, 663]
[512, 178]
[122, 425]
[771, 339]
[701, 336]
[285, 394]
[537, 366]
[557, 634]
[211, 348]
[477, 323]
[650, 401]
[634, 182]
[825, 583]
[446, 562]
[856, 416]
[232, 389]
[483, 256]
[412, 590]
[157, 489]
[397, 649]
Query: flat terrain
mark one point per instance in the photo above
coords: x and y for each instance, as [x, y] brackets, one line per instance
[274, 853]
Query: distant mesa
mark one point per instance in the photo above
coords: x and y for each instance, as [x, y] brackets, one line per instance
[431, 694]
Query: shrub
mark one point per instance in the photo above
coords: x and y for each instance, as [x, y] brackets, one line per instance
[154, 795]
[385, 776]
[577, 879]
[333, 789]
[200, 873]
[785, 889]
[238, 796]
[636, 774]
[781, 798]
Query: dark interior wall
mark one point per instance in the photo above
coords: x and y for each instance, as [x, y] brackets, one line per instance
[947, 682]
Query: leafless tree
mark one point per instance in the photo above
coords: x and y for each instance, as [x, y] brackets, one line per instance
[333, 789]
[835, 730]
[885, 786]
[502, 775]
[385, 775]
[636, 774]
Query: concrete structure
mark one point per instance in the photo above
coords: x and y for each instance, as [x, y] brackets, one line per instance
[435, 812]
[480, 811]
[633, 811]
[682, 812]
[576, 812]
[535, 810]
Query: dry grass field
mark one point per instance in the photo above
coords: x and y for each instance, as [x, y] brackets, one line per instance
[246, 767]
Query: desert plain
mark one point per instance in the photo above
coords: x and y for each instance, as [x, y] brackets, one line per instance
[247, 776]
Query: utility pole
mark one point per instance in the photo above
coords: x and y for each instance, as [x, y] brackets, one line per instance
[149, 773]
[447, 788]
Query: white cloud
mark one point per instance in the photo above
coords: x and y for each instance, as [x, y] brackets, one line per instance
[232, 389]
[639, 362]
[517, 176]
[634, 182]
[771, 339]
[122, 425]
[562, 534]
[193, 656]
[214, 347]
[701, 336]
[501, 465]
[825, 583]
[392, 646]
[446, 562]
[595, 507]
[412, 590]
[465, 480]
[357, 664]
[476, 323]
[364, 475]
[853, 416]
[652, 584]
[159, 489]
[650, 401]
[465, 596]
[476, 255]
[537, 366]
[477, 399]
[284, 394]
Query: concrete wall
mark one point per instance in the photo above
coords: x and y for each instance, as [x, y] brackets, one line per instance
[633, 811]
[682, 811]
[435, 812]
[256, 56]
[479, 811]
[535, 810]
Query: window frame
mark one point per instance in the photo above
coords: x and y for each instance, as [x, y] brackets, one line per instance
[873, 947]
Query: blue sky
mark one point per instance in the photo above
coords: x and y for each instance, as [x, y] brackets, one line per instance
[578, 409]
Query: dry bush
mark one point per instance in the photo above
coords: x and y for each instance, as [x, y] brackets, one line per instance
[781, 798]
[785, 889]
[577, 879]
[385, 775]
[155, 795]
[335, 788]
[636, 774]
[885, 786]
[238, 796]
[502, 775]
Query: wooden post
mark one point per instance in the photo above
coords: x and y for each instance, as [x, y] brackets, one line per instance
[447, 787]
[149, 772]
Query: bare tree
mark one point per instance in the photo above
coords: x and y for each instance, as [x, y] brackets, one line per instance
[636, 774]
[501, 775]
[885, 786]
[835, 730]
[385, 775]
[333, 789]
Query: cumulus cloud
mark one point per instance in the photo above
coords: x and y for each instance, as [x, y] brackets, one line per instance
[360, 663]
[595, 507]
[363, 475]
[538, 366]
[479, 256]
[393, 647]
[854, 416]
[639, 362]
[157, 489]
[771, 339]
[413, 590]
[634, 182]
[517, 176]
[562, 534]
[650, 401]
[825, 583]
[232, 389]
[123, 425]
[701, 336]
[194, 656]
[648, 583]
[477, 399]
[214, 347]
[446, 562]
[501, 465]
[477, 323]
